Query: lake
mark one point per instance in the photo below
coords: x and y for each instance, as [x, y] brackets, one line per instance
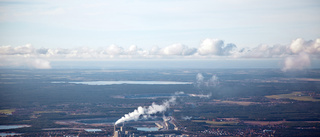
[2, 127]
[93, 130]
[128, 82]
[147, 128]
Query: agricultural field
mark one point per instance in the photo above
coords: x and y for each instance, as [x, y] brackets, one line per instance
[299, 96]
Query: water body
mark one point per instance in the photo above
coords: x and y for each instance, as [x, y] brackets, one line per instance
[93, 130]
[147, 128]
[129, 82]
[151, 96]
[2, 127]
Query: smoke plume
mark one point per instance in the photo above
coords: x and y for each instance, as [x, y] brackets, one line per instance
[39, 64]
[297, 62]
[146, 112]
[199, 79]
[212, 82]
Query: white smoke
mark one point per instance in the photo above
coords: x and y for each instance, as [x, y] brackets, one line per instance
[301, 52]
[212, 82]
[179, 93]
[201, 95]
[296, 62]
[25, 62]
[186, 117]
[146, 112]
[39, 64]
[199, 79]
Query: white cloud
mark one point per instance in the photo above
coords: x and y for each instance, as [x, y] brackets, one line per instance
[209, 48]
[133, 49]
[215, 47]
[300, 45]
[113, 50]
[178, 49]
[155, 50]
[266, 51]
[297, 52]
[297, 46]
[20, 50]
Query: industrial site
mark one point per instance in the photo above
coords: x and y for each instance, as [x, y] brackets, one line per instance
[159, 103]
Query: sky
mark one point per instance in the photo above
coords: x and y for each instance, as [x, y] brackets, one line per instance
[38, 33]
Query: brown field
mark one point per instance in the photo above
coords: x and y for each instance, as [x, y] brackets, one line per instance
[39, 112]
[308, 79]
[217, 123]
[299, 96]
[242, 103]
[264, 123]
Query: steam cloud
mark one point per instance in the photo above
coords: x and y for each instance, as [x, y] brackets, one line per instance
[199, 79]
[146, 112]
[301, 50]
[212, 82]
[25, 62]
[297, 62]
[39, 64]
[201, 83]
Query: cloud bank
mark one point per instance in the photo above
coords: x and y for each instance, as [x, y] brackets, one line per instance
[296, 56]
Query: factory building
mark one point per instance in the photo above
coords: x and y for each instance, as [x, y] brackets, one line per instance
[122, 132]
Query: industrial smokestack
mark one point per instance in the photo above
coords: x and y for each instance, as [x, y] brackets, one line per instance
[115, 133]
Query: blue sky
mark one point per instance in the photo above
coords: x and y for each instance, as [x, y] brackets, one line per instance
[97, 25]
[148, 23]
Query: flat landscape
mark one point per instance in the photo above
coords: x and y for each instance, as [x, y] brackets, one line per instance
[160, 68]
[194, 102]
